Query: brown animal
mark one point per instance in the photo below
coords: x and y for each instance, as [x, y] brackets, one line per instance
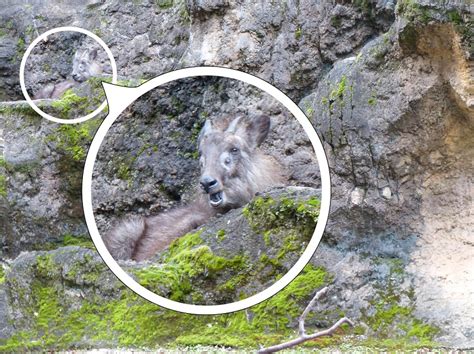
[84, 66]
[233, 170]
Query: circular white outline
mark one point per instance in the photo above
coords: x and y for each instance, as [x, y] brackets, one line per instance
[27, 54]
[121, 95]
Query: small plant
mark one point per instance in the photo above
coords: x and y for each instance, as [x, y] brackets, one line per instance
[298, 33]
[336, 22]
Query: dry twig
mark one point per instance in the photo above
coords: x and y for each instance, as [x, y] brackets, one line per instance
[303, 337]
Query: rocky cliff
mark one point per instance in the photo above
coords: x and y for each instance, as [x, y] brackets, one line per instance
[389, 87]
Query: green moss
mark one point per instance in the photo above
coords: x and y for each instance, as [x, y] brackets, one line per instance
[74, 140]
[336, 21]
[372, 101]
[266, 323]
[123, 171]
[455, 17]
[124, 163]
[464, 25]
[267, 237]
[65, 240]
[419, 14]
[46, 268]
[413, 11]
[131, 322]
[20, 45]
[174, 276]
[233, 283]
[2, 274]
[164, 4]
[336, 94]
[298, 33]
[3, 186]
[18, 109]
[220, 235]
[364, 5]
[82, 241]
[341, 88]
[265, 213]
[185, 243]
[68, 101]
[394, 323]
[56, 325]
[197, 126]
[70, 104]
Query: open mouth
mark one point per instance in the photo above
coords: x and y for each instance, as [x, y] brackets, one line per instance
[215, 199]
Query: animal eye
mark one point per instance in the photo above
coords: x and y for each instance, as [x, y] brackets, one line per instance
[234, 150]
[227, 161]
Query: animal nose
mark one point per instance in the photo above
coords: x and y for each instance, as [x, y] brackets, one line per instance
[208, 183]
[76, 77]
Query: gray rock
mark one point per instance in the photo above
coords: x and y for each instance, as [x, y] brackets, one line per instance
[389, 148]
[394, 111]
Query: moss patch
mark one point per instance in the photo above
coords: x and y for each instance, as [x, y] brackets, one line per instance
[74, 140]
[3, 186]
[186, 262]
[392, 320]
[22, 108]
[265, 213]
[2, 274]
[56, 321]
[69, 101]
[81, 240]
[267, 323]
[422, 15]
[413, 11]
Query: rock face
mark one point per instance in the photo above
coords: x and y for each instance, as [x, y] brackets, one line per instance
[149, 160]
[401, 162]
[389, 88]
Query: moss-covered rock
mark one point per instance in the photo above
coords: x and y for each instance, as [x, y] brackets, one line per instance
[68, 299]
[238, 254]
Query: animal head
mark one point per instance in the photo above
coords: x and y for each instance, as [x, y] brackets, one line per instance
[85, 65]
[232, 168]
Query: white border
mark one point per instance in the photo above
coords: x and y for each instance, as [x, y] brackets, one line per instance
[27, 54]
[119, 98]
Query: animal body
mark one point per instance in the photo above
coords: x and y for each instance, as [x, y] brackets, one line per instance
[54, 90]
[233, 170]
[85, 65]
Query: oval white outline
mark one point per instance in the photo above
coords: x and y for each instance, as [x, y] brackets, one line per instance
[124, 97]
[27, 54]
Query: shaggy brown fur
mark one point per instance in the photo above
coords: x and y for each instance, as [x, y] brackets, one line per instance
[233, 170]
[84, 66]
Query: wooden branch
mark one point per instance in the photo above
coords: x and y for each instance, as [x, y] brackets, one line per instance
[303, 337]
[308, 308]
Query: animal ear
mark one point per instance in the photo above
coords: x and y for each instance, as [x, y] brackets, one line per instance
[93, 54]
[254, 131]
[232, 128]
[206, 129]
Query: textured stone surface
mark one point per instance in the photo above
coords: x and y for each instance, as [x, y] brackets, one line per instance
[399, 132]
[387, 85]
[149, 159]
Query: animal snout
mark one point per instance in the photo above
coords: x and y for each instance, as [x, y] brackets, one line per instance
[208, 183]
[76, 77]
